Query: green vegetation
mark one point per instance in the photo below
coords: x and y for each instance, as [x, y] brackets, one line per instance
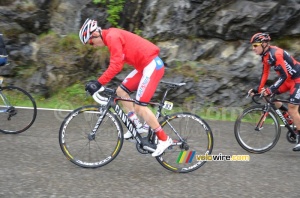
[114, 8]
[138, 31]
[188, 69]
[69, 43]
[287, 43]
[70, 98]
[24, 71]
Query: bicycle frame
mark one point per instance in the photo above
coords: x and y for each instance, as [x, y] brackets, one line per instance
[270, 104]
[280, 115]
[147, 143]
[7, 104]
[5, 101]
[112, 103]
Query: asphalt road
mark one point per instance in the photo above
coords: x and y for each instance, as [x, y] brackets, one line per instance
[32, 165]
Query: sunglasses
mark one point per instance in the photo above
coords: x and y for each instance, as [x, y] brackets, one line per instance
[255, 45]
[91, 39]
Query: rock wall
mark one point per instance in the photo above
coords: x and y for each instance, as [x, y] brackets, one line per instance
[210, 39]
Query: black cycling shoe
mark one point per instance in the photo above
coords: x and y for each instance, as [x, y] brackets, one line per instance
[291, 137]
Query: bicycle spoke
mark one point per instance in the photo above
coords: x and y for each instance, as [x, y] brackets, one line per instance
[18, 110]
[197, 140]
[87, 151]
[257, 131]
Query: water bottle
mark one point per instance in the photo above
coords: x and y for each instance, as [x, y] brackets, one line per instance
[132, 116]
[287, 117]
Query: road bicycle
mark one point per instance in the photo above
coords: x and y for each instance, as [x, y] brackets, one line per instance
[257, 129]
[17, 109]
[92, 136]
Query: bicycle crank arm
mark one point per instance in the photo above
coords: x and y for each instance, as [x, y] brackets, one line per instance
[148, 148]
[147, 145]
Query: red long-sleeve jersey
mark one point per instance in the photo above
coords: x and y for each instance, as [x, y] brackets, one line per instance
[126, 47]
[286, 67]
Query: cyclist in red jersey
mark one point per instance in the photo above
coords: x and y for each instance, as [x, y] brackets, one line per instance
[126, 47]
[288, 70]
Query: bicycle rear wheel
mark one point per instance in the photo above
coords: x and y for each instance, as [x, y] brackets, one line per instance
[198, 141]
[20, 113]
[84, 149]
[253, 139]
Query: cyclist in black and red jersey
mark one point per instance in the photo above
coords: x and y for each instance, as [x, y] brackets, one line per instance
[126, 47]
[288, 70]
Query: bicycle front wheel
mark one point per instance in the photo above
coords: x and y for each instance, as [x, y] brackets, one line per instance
[194, 138]
[257, 131]
[17, 110]
[83, 147]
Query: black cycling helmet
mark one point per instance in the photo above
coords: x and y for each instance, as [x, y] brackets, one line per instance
[260, 37]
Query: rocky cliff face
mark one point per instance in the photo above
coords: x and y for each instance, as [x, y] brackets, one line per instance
[210, 39]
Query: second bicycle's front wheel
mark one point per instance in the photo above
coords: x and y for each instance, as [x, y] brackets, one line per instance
[257, 131]
[85, 148]
[17, 110]
[197, 142]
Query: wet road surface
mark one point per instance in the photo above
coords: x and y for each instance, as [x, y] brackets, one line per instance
[32, 165]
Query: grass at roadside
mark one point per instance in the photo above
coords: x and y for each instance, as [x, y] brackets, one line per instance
[69, 98]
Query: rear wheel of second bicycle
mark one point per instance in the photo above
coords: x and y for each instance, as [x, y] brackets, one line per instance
[20, 113]
[251, 138]
[84, 149]
[198, 142]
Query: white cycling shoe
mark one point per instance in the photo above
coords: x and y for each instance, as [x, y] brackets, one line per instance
[297, 147]
[162, 146]
[143, 129]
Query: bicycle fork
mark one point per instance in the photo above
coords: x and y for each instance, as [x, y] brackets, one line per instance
[91, 136]
[9, 109]
[259, 125]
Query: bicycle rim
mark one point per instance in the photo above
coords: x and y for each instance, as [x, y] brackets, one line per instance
[87, 151]
[257, 140]
[199, 139]
[21, 113]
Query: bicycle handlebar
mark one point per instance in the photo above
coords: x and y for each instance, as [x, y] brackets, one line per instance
[269, 98]
[100, 99]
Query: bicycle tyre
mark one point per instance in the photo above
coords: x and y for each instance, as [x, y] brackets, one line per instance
[198, 135]
[22, 116]
[83, 150]
[252, 140]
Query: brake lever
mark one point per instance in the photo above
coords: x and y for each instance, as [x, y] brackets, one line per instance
[261, 95]
[87, 94]
[248, 95]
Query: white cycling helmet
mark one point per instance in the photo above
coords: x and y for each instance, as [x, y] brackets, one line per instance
[87, 29]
